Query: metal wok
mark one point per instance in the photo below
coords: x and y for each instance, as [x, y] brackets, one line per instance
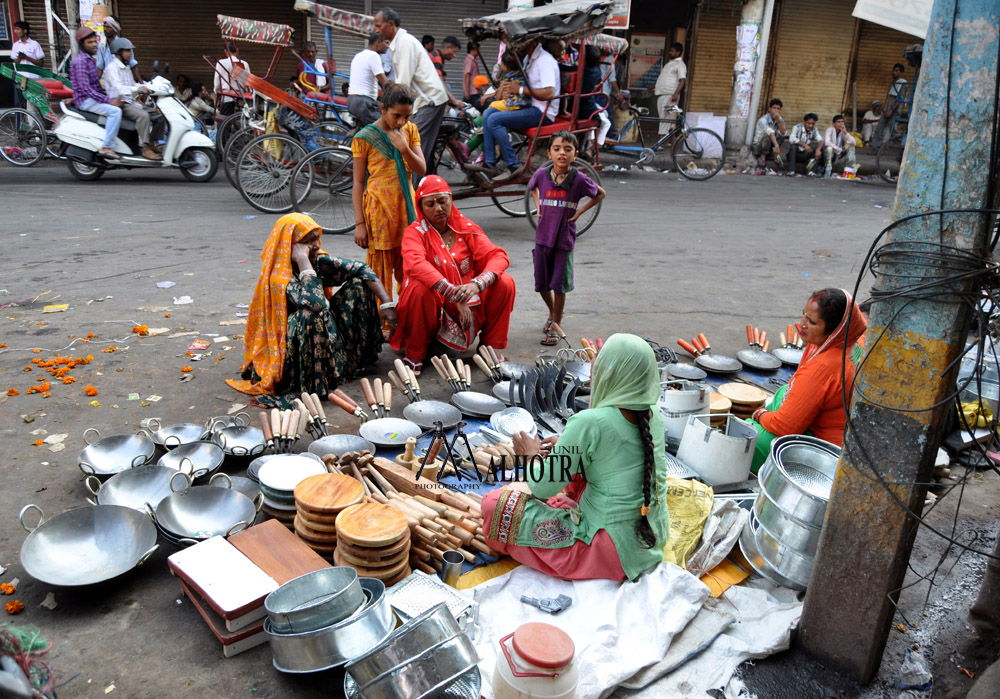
[199, 459]
[202, 512]
[686, 371]
[109, 455]
[340, 444]
[713, 363]
[475, 404]
[425, 413]
[756, 357]
[173, 436]
[87, 545]
[241, 440]
[136, 486]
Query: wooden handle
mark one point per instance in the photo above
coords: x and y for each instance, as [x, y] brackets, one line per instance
[781, 338]
[387, 395]
[493, 355]
[755, 337]
[788, 332]
[485, 354]
[438, 367]
[379, 391]
[301, 407]
[308, 402]
[286, 417]
[346, 398]
[304, 418]
[369, 394]
[413, 379]
[762, 338]
[483, 366]
[435, 448]
[697, 345]
[558, 330]
[704, 341]
[394, 377]
[318, 404]
[591, 353]
[401, 370]
[767, 345]
[468, 374]
[341, 403]
[460, 368]
[585, 343]
[265, 427]
[687, 347]
[600, 345]
[449, 367]
[293, 423]
[750, 335]
[275, 422]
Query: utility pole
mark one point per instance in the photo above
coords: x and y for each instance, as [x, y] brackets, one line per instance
[748, 69]
[868, 536]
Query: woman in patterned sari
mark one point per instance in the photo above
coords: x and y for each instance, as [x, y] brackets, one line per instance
[386, 155]
[300, 337]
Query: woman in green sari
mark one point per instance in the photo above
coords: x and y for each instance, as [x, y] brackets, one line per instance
[386, 156]
[611, 520]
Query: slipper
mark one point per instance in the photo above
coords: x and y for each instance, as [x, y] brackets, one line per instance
[548, 324]
[414, 366]
[550, 339]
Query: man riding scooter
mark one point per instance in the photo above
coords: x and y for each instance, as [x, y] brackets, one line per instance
[120, 84]
[87, 92]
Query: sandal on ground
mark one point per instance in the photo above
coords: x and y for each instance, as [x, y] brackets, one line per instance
[550, 340]
[413, 366]
[548, 324]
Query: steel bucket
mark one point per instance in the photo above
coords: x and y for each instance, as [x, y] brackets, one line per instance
[719, 456]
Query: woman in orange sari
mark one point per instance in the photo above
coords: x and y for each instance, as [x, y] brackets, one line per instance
[813, 401]
[386, 154]
[298, 337]
[455, 286]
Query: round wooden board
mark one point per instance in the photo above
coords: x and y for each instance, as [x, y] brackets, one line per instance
[281, 515]
[321, 549]
[378, 573]
[324, 527]
[741, 393]
[377, 554]
[317, 517]
[371, 524]
[718, 403]
[366, 563]
[328, 493]
[313, 535]
[407, 572]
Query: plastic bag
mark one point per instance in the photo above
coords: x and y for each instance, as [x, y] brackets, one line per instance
[689, 503]
[913, 673]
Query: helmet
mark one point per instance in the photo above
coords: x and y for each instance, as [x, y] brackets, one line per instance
[82, 33]
[120, 44]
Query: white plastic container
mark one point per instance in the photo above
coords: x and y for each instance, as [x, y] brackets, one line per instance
[718, 455]
[535, 662]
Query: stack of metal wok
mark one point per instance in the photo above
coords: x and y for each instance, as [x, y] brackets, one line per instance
[548, 393]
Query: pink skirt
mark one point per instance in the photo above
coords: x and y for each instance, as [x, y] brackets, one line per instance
[597, 560]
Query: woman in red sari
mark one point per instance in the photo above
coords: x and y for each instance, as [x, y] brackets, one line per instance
[454, 286]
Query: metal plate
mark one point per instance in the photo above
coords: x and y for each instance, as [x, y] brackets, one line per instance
[339, 444]
[424, 413]
[287, 471]
[759, 359]
[514, 369]
[719, 364]
[788, 355]
[686, 371]
[476, 404]
[391, 431]
[513, 420]
[254, 468]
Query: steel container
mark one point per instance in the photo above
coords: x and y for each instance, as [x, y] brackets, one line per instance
[798, 476]
[314, 600]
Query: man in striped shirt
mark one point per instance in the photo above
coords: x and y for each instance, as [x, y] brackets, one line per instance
[87, 92]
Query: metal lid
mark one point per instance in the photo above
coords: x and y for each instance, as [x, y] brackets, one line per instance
[544, 645]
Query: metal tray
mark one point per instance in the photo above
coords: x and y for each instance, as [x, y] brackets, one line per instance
[686, 371]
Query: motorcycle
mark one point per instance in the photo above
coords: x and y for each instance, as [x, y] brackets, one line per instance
[82, 136]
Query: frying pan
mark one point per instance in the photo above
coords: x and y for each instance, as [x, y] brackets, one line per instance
[389, 431]
[755, 357]
[790, 352]
[425, 413]
[681, 370]
[717, 364]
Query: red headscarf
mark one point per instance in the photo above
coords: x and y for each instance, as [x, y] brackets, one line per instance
[432, 184]
[844, 335]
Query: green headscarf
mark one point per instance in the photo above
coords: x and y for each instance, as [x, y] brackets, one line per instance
[625, 374]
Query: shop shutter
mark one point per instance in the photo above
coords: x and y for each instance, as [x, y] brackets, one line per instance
[811, 59]
[710, 78]
[345, 45]
[33, 12]
[182, 31]
[878, 49]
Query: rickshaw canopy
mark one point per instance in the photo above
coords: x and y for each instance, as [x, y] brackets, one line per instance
[611, 45]
[350, 22]
[255, 32]
[562, 19]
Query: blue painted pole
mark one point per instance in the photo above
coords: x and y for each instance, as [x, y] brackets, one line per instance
[868, 536]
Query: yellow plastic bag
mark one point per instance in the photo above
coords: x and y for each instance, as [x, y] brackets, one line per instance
[689, 503]
[273, 145]
[977, 415]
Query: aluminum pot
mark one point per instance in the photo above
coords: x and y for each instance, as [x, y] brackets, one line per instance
[108, 455]
[421, 659]
[748, 546]
[173, 436]
[314, 600]
[785, 560]
[87, 545]
[680, 396]
[335, 645]
[797, 476]
[135, 487]
[202, 512]
[200, 459]
[804, 538]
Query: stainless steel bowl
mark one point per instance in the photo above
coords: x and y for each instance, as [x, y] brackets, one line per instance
[246, 486]
[109, 455]
[204, 511]
[425, 413]
[198, 459]
[335, 645]
[748, 546]
[340, 444]
[785, 560]
[173, 436]
[420, 659]
[87, 545]
[134, 487]
[389, 431]
[314, 600]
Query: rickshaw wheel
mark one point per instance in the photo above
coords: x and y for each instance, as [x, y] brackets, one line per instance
[584, 223]
[264, 172]
[22, 138]
[232, 125]
[512, 201]
[322, 187]
[234, 147]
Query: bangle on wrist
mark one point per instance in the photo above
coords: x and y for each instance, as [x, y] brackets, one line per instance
[387, 305]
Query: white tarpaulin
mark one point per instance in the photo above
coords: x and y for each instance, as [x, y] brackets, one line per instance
[907, 16]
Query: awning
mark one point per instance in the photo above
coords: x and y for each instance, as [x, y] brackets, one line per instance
[255, 32]
[913, 17]
[562, 19]
[350, 22]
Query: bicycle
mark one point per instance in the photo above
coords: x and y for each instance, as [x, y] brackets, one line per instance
[697, 153]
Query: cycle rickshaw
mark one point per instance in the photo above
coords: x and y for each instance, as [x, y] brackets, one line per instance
[24, 139]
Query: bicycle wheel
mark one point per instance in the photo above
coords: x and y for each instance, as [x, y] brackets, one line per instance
[232, 124]
[321, 187]
[237, 142]
[889, 159]
[584, 223]
[510, 199]
[333, 133]
[698, 154]
[264, 172]
[22, 138]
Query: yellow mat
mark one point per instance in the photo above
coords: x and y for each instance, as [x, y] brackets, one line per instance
[480, 575]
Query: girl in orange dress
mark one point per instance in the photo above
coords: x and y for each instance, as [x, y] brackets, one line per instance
[386, 156]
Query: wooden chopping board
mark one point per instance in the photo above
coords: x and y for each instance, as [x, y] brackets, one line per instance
[366, 563]
[305, 519]
[376, 554]
[328, 493]
[718, 403]
[371, 524]
[741, 393]
[277, 551]
[317, 517]
[383, 574]
[312, 536]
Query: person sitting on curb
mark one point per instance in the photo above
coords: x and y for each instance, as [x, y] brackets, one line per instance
[869, 120]
[87, 92]
[770, 134]
[838, 143]
[804, 144]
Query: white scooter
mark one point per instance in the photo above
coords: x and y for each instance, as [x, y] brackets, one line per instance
[82, 136]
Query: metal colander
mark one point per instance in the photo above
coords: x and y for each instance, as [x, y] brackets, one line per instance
[419, 592]
[809, 479]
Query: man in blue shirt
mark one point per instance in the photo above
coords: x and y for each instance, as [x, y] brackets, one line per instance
[112, 30]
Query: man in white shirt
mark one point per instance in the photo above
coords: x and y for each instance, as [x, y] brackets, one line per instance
[838, 143]
[415, 70]
[112, 30]
[25, 51]
[119, 83]
[319, 69]
[542, 76]
[223, 82]
[869, 120]
[367, 76]
[671, 82]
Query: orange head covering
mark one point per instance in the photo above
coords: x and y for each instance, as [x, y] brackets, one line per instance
[264, 340]
[433, 184]
[844, 335]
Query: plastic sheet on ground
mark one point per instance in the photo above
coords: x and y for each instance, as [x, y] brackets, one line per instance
[718, 536]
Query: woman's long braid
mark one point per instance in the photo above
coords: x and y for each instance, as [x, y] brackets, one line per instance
[642, 528]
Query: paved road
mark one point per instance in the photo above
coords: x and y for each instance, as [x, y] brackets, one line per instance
[667, 259]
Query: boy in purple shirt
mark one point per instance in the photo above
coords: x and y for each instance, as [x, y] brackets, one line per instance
[557, 191]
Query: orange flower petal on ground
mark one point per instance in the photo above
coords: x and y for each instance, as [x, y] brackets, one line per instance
[37, 443]
[186, 369]
[46, 394]
[140, 330]
[45, 386]
[166, 315]
[90, 391]
[13, 392]
[36, 360]
[90, 334]
[37, 351]
[69, 379]
[14, 607]
[7, 589]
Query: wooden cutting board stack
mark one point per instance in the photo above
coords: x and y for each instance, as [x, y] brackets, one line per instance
[745, 398]
[318, 501]
[286, 517]
[719, 406]
[374, 539]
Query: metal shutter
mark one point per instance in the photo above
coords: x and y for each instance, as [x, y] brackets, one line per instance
[181, 31]
[345, 45]
[713, 56]
[33, 12]
[811, 58]
[878, 49]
